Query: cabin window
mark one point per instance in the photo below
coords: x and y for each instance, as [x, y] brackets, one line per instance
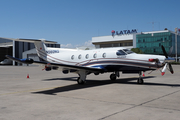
[79, 57]
[72, 57]
[120, 52]
[95, 55]
[87, 56]
[104, 55]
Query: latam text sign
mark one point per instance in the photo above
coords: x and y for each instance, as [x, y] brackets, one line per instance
[123, 32]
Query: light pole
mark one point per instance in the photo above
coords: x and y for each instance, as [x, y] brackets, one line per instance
[176, 41]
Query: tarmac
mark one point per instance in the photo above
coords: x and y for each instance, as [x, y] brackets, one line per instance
[52, 95]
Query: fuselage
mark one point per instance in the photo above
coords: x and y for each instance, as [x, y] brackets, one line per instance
[110, 59]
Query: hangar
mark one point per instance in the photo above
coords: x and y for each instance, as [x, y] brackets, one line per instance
[19, 49]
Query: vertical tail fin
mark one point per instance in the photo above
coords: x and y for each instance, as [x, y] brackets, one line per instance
[40, 46]
[41, 49]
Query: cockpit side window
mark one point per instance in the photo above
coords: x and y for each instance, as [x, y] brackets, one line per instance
[128, 51]
[120, 52]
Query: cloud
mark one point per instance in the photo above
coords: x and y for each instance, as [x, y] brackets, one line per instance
[88, 43]
[66, 46]
[85, 44]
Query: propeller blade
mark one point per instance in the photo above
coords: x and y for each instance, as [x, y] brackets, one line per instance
[170, 51]
[164, 51]
[164, 69]
[167, 60]
[170, 68]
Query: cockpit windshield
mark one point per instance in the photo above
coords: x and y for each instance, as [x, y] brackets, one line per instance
[128, 51]
[120, 52]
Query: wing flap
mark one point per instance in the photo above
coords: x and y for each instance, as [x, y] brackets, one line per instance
[70, 67]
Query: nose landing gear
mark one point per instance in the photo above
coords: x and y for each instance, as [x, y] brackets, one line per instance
[140, 80]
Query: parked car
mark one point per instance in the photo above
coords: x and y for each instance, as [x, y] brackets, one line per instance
[6, 62]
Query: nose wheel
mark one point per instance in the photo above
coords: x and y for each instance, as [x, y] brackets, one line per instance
[140, 81]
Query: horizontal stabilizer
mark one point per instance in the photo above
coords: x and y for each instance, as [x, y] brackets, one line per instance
[26, 61]
[34, 40]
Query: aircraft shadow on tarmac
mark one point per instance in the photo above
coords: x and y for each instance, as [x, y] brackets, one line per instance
[67, 78]
[95, 83]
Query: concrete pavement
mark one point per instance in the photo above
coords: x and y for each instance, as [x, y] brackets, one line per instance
[57, 96]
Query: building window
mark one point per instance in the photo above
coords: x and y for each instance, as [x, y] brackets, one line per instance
[79, 57]
[130, 43]
[154, 50]
[104, 55]
[115, 44]
[125, 44]
[159, 44]
[87, 56]
[105, 45]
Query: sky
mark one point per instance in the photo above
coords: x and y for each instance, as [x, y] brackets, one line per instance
[73, 23]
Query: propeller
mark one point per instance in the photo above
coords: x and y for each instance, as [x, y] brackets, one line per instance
[170, 51]
[164, 69]
[170, 68]
[167, 60]
[164, 51]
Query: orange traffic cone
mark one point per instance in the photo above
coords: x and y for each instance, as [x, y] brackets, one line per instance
[27, 75]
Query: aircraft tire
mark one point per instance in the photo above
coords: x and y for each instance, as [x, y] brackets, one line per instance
[113, 77]
[79, 81]
[140, 81]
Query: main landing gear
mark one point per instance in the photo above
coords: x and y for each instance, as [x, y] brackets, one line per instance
[113, 76]
[79, 81]
[140, 80]
[82, 77]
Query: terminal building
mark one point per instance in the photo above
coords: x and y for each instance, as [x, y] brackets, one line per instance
[19, 49]
[148, 42]
[119, 39]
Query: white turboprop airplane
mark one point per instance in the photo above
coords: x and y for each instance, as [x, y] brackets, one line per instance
[84, 62]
